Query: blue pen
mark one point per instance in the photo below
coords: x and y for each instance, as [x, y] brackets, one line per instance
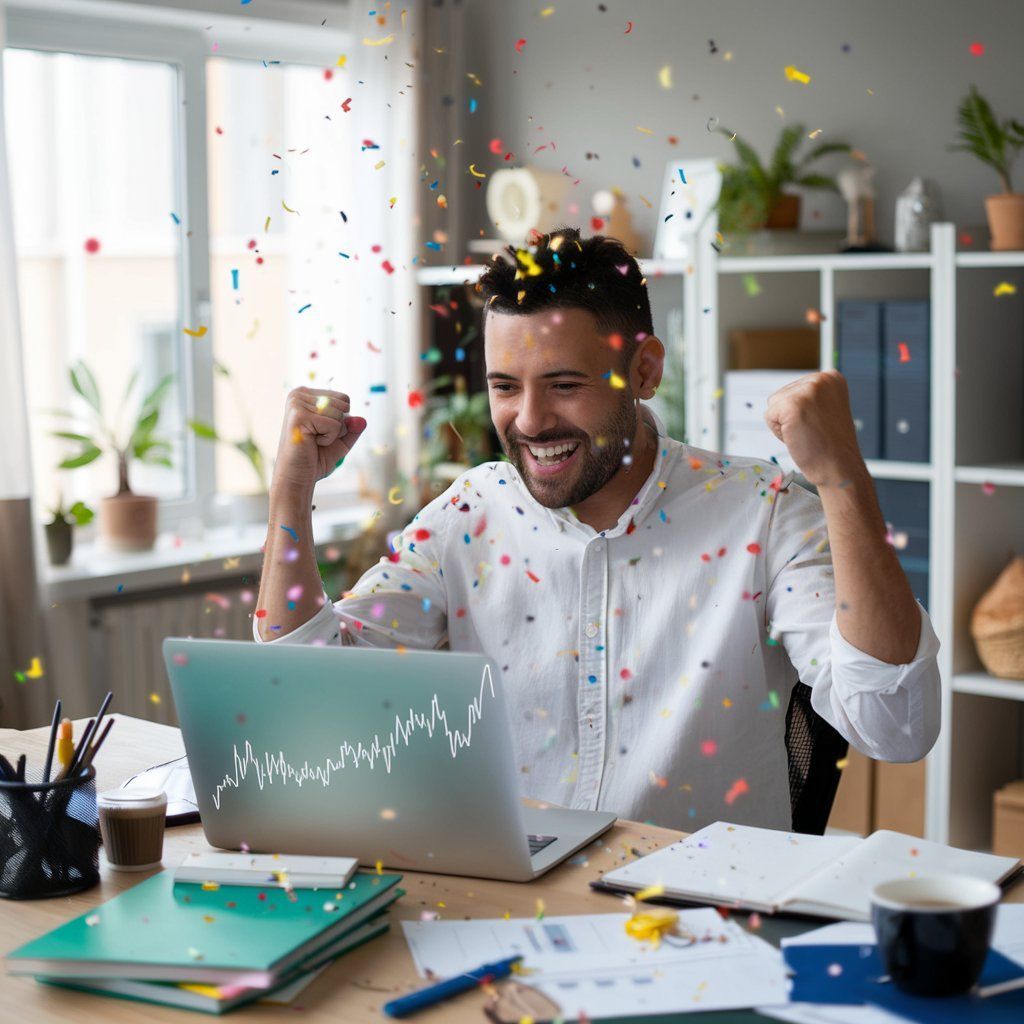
[452, 987]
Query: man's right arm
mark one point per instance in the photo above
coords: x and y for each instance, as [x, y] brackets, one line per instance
[316, 435]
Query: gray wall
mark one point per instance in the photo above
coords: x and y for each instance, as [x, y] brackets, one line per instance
[586, 85]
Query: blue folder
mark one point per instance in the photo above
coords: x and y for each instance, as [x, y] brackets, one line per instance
[859, 352]
[906, 381]
[849, 974]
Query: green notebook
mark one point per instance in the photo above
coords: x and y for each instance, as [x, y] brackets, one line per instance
[235, 934]
[218, 1000]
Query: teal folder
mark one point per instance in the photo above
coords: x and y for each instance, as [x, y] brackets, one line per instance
[235, 934]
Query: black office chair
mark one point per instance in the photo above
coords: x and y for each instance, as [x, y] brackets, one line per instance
[813, 749]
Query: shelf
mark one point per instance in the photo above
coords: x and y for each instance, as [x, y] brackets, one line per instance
[1006, 474]
[1010, 258]
[888, 469]
[469, 272]
[984, 685]
[825, 261]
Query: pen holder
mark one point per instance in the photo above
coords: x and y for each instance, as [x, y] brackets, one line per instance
[49, 837]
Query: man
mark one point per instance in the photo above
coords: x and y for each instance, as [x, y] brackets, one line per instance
[650, 605]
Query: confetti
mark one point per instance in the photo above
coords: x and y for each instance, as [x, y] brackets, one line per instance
[988, 488]
[540, 909]
[977, 49]
[210, 886]
[650, 892]
[665, 77]
[288, 208]
[796, 75]
[92, 245]
[395, 496]
[754, 548]
[379, 42]
[291, 533]
[752, 285]
[652, 925]
[1004, 288]
[904, 351]
[475, 172]
[199, 332]
[154, 698]
[616, 381]
[92, 920]
[519, 45]
[342, 61]
[737, 789]
[629, 28]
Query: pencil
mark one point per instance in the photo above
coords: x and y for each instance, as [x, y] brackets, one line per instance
[53, 739]
[65, 745]
[80, 749]
[94, 749]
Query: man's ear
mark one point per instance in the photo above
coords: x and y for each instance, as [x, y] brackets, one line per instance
[649, 363]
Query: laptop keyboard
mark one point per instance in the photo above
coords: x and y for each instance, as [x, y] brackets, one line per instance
[538, 843]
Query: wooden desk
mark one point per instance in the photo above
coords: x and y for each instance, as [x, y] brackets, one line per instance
[353, 989]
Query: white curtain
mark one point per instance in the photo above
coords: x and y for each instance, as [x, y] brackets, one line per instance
[24, 694]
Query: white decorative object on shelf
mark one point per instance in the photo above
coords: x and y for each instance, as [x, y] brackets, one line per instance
[689, 192]
[917, 208]
[525, 199]
[857, 187]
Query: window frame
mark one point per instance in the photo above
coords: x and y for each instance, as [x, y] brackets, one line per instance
[179, 39]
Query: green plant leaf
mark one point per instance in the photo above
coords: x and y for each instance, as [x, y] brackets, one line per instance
[82, 438]
[84, 383]
[89, 454]
[750, 162]
[251, 451]
[220, 368]
[818, 181]
[148, 445]
[204, 430]
[825, 149]
[155, 398]
[158, 460]
[782, 171]
[132, 381]
[981, 134]
[81, 513]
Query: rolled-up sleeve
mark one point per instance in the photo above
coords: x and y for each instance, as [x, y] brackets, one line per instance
[888, 712]
[399, 602]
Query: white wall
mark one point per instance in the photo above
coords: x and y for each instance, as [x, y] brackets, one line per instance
[587, 85]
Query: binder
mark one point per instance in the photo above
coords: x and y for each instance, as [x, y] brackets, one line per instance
[859, 347]
[906, 382]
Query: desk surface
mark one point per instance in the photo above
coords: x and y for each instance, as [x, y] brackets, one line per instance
[354, 988]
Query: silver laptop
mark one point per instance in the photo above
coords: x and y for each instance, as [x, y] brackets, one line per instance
[402, 758]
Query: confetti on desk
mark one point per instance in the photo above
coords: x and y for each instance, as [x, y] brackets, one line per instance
[652, 924]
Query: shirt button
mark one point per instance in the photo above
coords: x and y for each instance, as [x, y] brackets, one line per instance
[591, 630]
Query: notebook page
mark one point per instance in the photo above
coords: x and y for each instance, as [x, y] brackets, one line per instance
[733, 864]
[885, 855]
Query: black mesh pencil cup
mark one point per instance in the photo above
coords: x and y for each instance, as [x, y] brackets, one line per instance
[49, 837]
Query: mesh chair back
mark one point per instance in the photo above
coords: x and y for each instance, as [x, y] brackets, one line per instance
[813, 748]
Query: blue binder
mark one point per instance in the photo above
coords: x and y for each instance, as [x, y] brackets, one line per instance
[859, 349]
[906, 381]
[905, 504]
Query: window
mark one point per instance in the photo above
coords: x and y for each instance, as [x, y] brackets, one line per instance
[186, 206]
[91, 148]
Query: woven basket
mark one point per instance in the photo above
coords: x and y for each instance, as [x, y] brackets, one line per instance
[997, 623]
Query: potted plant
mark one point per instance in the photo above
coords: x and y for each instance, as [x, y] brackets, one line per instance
[59, 531]
[995, 143]
[242, 508]
[127, 520]
[456, 433]
[752, 195]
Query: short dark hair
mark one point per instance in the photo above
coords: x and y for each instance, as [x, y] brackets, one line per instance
[562, 271]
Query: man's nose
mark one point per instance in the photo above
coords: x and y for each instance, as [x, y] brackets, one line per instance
[533, 417]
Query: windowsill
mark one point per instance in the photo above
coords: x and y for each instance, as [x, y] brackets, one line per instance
[95, 571]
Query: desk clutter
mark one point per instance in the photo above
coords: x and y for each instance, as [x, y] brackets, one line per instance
[49, 826]
[210, 947]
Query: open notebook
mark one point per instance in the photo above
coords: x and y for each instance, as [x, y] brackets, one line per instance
[824, 876]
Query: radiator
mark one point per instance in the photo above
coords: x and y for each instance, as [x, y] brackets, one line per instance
[127, 634]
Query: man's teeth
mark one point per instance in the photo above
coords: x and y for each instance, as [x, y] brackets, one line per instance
[550, 453]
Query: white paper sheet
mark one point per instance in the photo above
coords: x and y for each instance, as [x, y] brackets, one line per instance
[588, 964]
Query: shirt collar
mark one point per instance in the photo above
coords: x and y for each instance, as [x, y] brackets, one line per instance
[639, 508]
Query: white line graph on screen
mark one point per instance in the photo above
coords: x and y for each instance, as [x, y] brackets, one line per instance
[268, 765]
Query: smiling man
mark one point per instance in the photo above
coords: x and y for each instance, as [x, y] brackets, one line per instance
[650, 605]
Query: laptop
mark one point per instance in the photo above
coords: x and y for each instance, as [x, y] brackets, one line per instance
[397, 758]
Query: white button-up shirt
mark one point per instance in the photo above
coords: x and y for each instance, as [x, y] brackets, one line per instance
[648, 668]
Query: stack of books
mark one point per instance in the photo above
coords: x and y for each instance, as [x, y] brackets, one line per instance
[206, 946]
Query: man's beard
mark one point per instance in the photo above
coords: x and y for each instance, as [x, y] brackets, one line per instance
[596, 465]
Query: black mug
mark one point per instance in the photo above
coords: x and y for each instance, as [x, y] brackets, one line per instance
[934, 931]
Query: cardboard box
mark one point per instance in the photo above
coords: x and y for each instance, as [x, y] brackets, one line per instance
[777, 348]
[1008, 820]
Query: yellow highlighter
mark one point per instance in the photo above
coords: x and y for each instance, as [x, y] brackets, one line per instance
[65, 744]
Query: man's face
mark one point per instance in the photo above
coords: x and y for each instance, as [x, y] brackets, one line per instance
[549, 385]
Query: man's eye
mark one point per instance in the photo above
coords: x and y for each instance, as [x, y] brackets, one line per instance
[501, 387]
[566, 385]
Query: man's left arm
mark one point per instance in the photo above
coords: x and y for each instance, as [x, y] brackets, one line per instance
[884, 683]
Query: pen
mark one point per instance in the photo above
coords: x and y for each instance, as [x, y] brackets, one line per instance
[65, 744]
[93, 728]
[87, 757]
[53, 739]
[452, 987]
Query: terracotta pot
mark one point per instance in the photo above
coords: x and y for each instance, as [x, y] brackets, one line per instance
[59, 541]
[785, 214]
[128, 522]
[1006, 220]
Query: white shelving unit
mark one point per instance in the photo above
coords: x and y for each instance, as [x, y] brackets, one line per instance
[977, 440]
